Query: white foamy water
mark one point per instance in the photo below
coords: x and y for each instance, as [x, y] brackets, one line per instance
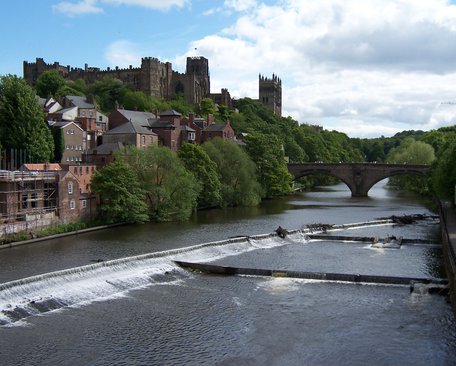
[82, 285]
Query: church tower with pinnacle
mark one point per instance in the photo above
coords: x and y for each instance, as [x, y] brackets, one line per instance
[270, 93]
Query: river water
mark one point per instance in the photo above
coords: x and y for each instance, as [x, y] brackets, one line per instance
[61, 305]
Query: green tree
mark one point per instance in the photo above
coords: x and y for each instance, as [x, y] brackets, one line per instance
[237, 173]
[266, 152]
[48, 83]
[171, 190]
[122, 198]
[107, 92]
[207, 107]
[198, 162]
[59, 143]
[22, 120]
[444, 172]
[411, 152]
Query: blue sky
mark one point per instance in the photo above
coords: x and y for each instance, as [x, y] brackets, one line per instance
[363, 67]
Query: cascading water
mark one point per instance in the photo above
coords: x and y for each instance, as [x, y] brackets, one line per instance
[81, 285]
[99, 281]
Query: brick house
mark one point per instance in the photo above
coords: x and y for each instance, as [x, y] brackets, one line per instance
[224, 131]
[102, 154]
[168, 129]
[197, 124]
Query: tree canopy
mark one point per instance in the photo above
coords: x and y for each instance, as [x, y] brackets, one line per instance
[171, 190]
[48, 83]
[267, 153]
[122, 198]
[22, 120]
[237, 173]
[198, 162]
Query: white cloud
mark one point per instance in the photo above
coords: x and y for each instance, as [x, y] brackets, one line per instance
[151, 4]
[75, 9]
[123, 53]
[94, 6]
[368, 67]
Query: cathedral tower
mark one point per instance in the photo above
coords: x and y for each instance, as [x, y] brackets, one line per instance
[270, 93]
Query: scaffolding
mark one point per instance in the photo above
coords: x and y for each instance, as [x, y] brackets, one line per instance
[28, 200]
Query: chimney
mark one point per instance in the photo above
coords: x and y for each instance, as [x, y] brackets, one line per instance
[210, 119]
[191, 117]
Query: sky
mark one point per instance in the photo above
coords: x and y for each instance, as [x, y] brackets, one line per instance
[368, 68]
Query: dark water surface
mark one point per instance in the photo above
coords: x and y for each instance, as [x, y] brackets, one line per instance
[147, 311]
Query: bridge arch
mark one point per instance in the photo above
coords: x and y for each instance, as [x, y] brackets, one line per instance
[359, 177]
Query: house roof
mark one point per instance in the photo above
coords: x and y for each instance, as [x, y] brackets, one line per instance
[214, 127]
[132, 126]
[199, 122]
[41, 167]
[138, 116]
[107, 148]
[186, 128]
[80, 102]
[63, 124]
[158, 123]
[170, 112]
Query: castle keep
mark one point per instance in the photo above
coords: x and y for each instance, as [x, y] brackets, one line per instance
[153, 77]
[158, 79]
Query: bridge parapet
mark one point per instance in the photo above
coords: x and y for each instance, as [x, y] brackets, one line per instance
[359, 177]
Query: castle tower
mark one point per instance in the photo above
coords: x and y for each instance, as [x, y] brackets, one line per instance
[270, 93]
[198, 70]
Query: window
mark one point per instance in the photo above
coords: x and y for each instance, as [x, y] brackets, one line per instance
[72, 132]
[84, 203]
[70, 187]
[90, 114]
[191, 136]
[83, 113]
[72, 204]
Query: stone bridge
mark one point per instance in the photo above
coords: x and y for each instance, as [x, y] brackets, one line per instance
[359, 177]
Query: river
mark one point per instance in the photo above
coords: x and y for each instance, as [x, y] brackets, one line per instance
[115, 297]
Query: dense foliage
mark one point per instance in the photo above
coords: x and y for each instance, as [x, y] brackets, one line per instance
[122, 197]
[237, 173]
[170, 190]
[267, 153]
[22, 121]
[198, 162]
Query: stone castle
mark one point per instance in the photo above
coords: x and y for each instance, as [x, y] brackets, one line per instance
[158, 79]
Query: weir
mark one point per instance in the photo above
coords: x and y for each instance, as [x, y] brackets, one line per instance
[34, 295]
[323, 276]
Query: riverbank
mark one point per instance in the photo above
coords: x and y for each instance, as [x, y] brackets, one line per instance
[56, 236]
[448, 233]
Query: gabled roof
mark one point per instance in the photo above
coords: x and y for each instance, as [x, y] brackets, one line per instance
[107, 148]
[79, 102]
[137, 116]
[158, 123]
[63, 124]
[186, 128]
[199, 122]
[131, 127]
[170, 112]
[215, 127]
